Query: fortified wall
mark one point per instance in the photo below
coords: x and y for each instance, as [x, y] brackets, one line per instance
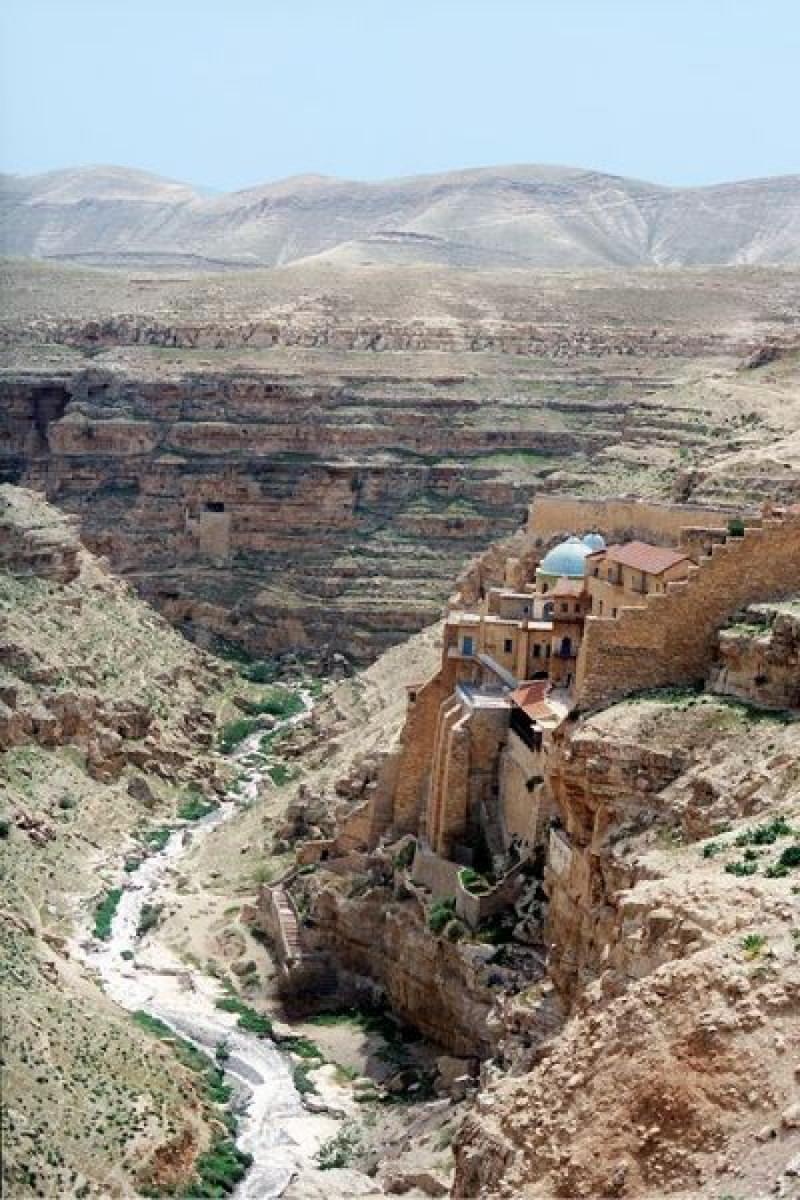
[671, 638]
[621, 519]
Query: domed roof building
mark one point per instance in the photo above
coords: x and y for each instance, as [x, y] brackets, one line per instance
[566, 560]
[595, 541]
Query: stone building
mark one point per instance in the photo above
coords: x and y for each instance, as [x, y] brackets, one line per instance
[622, 576]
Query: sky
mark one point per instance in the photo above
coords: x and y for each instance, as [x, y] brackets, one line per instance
[230, 93]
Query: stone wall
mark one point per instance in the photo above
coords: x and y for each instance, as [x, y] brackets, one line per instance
[523, 807]
[437, 986]
[620, 519]
[671, 640]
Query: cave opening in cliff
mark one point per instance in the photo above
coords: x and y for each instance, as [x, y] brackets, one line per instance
[49, 404]
[214, 506]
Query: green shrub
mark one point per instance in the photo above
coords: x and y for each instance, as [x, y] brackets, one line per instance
[65, 803]
[219, 1169]
[148, 918]
[196, 807]
[405, 857]
[736, 527]
[281, 774]
[477, 884]
[279, 702]
[338, 1151]
[765, 835]
[303, 1047]
[157, 839]
[215, 1087]
[790, 857]
[232, 734]
[441, 911]
[300, 1077]
[249, 1020]
[104, 914]
[741, 868]
[5, 827]
[753, 944]
[260, 672]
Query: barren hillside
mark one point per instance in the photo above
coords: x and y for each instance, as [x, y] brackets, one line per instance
[515, 216]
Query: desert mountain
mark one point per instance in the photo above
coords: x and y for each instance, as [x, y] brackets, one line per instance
[516, 216]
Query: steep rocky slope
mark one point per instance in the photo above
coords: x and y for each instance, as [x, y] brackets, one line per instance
[673, 934]
[260, 457]
[538, 216]
[105, 718]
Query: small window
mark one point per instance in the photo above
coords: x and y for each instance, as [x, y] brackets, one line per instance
[508, 646]
[215, 506]
[412, 697]
[544, 588]
[613, 612]
[565, 608]
[467, 645]
[537, 650]
[526, 608]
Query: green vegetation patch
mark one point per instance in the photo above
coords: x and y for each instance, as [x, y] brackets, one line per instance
[104, 914]
[249, 1020]
[338, 1151]
[279, 702]
[196, 807]
[441, 911]
[156, 839]
[148, 918]
[235, 732]
[280, 774]
[219, 1170]
[301, 1073]
[764, 835]
[212, 1077]
[474, 882]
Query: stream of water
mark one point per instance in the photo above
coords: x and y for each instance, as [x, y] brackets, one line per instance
[275, 1127]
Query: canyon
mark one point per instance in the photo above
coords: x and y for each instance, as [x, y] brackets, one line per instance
[307, 457]
[230, 497]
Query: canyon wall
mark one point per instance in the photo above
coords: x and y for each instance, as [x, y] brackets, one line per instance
[272, 510]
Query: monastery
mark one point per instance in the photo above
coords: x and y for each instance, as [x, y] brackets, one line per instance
[593, 601]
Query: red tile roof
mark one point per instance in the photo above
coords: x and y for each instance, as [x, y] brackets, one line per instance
[530, 696]
[641, 556]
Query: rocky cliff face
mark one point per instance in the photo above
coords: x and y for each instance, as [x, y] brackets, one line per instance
[309, 456]
[105, 722]
[670, 934]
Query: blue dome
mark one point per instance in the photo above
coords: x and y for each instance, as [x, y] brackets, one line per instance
[566, 559]
[595, 541]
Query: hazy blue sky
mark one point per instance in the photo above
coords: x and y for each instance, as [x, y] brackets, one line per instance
[228, 93]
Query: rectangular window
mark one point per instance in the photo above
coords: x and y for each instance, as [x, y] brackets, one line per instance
[467, 645]
[537, 650]
[565, 608]
[508, 646]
